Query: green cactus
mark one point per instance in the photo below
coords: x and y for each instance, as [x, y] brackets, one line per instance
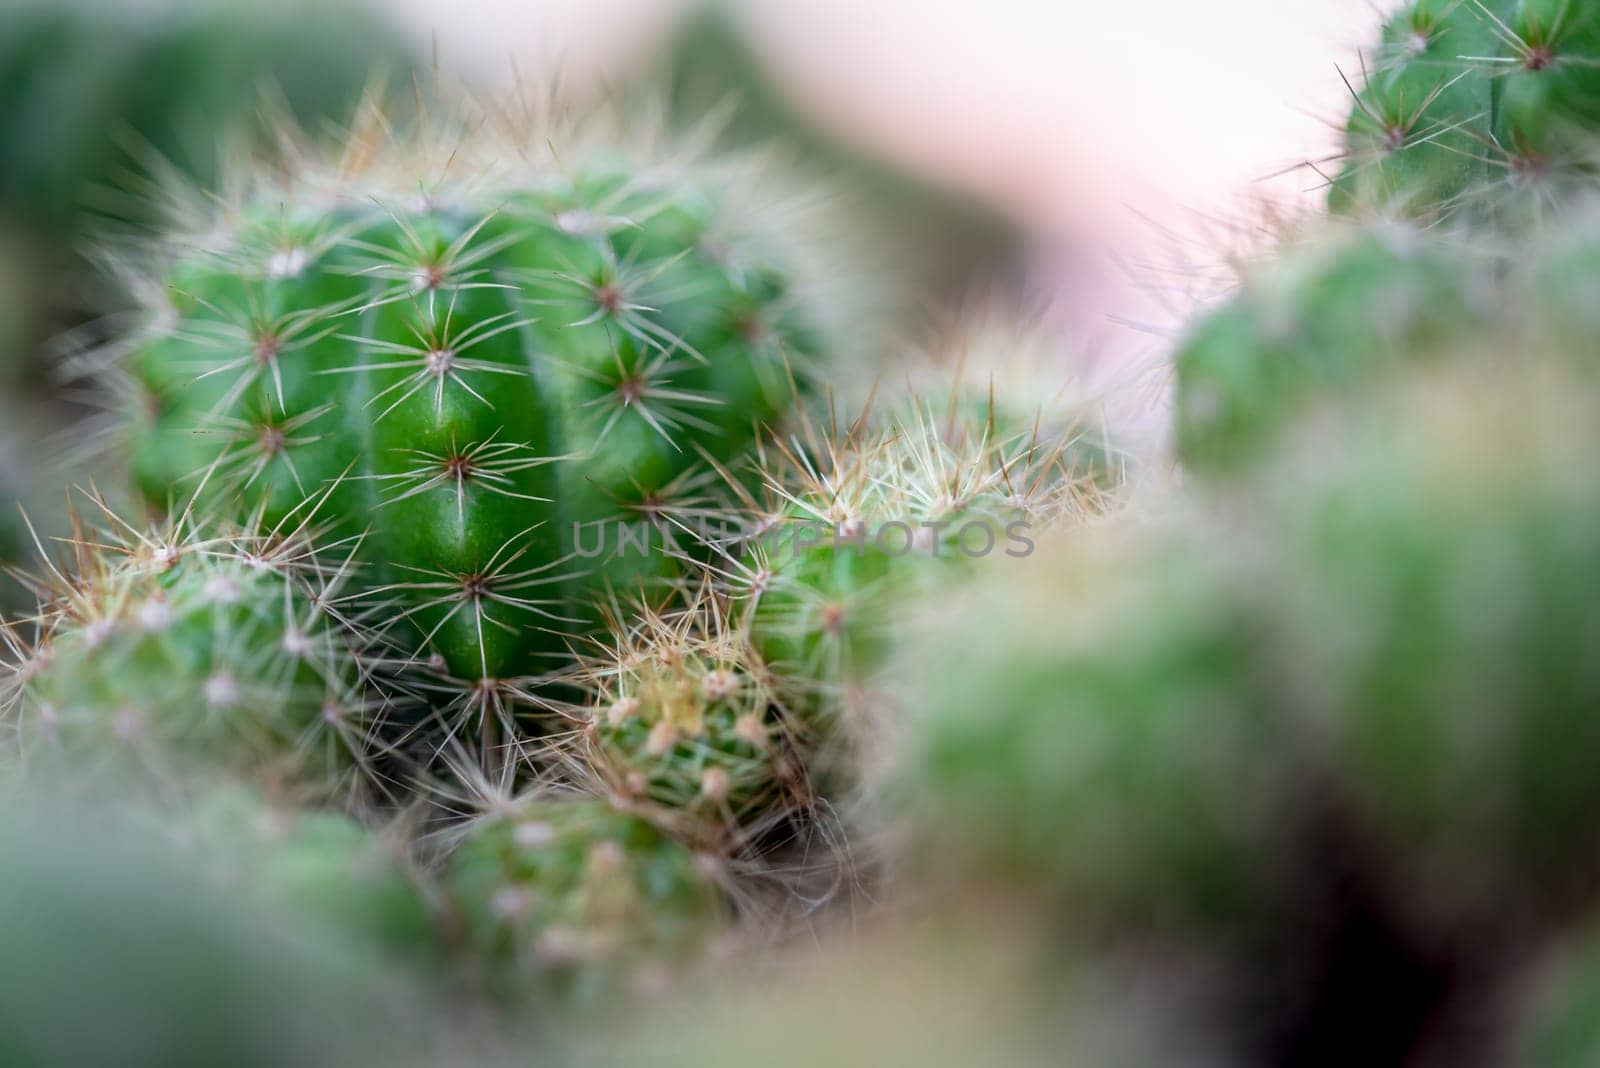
[118, 952]
[80, 78]
[1090, 723]
[513, 382]
[1440, 584]
[1335, 312]
[175, 653]
[1548, 89]
[1419, 130]
[1341, 736]
[336, 878]
[853, 531]
[570, 896]
[104, 105]
[1470, 103]
[680, 717]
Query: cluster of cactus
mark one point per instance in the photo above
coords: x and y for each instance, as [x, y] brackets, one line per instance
[513, 383]
[467, 458]
[1361, 710]
[513, 611]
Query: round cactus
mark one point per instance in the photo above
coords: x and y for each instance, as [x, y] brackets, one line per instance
[1331, 315]
[569, 895]
[1471, 103]
[179, 653]
[1439, 587]
[121, 952]
[851, 529]
[335, 877]
[511, 376]
[681, 717]
[1090, 725]
[1358, 715]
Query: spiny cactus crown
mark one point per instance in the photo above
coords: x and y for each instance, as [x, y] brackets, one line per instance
[852, 525]
[1475, 104]
[681, 717]
[492, 355]
[177, 651]
[565, 893]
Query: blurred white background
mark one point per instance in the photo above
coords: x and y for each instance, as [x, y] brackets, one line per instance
[1045, 106]
[1092, 124]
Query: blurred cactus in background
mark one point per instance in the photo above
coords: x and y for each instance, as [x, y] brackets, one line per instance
[120, 952]
[103, 104]
[1350, 728]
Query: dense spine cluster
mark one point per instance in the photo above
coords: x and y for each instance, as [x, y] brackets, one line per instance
[851, 528]
[1474, 104]
[173, 652]
[511, 385]
[682, 719]
[567, 895]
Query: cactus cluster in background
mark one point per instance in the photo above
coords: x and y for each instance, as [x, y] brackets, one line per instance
[102, 103]
[543, 592]
[567, 896]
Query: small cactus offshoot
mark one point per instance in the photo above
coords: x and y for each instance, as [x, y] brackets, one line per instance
[567, 895]
[175, 651]
[681, 717]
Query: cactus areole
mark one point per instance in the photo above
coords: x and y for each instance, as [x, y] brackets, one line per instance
[491, 385]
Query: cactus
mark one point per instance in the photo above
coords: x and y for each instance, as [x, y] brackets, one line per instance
[102, 102]
[336, 878]
[497, 379]
[1419, 131]
[84, 78]
[680, 717]
[120, 953]
[566, 895]
[1349, 728]
[1472, 103]
[175, 652]
[1439, 582]
[854, 529]
[1332, 315]
[1089, 724]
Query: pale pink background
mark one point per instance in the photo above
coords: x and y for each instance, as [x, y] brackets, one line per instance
[1098, 123]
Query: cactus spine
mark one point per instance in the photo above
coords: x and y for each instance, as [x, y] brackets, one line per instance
[512, 379]
[175, 652]
[567, 894]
